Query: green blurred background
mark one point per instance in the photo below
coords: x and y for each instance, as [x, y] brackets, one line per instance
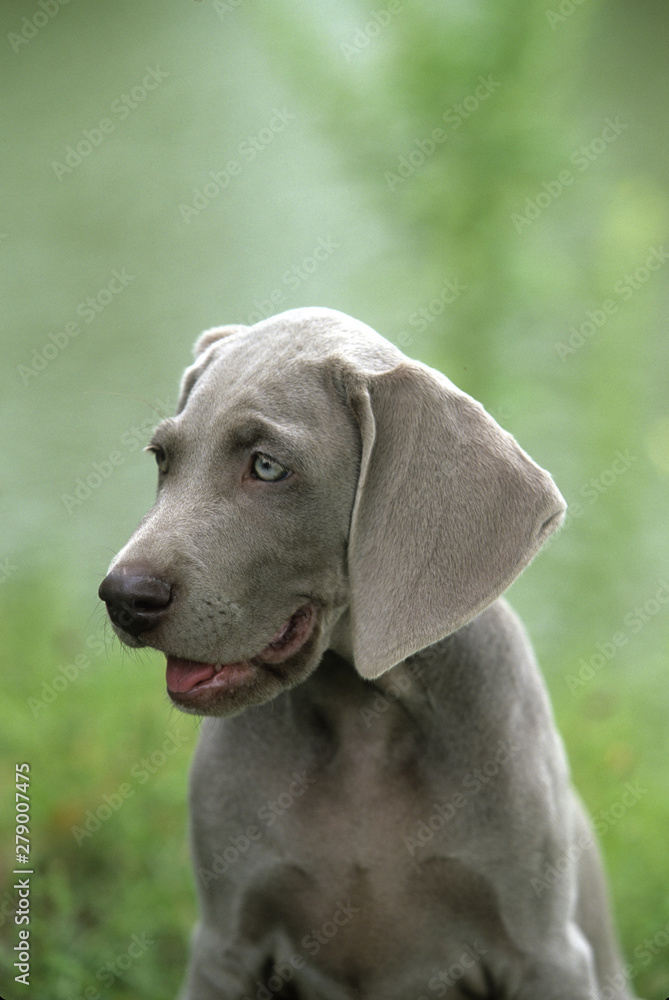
[486, 183]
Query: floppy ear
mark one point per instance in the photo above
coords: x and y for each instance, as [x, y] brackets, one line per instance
[210, 337]
[202, 357]
[448, 511]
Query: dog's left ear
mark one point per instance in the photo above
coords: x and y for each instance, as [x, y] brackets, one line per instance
[203, 357]
[448, 511]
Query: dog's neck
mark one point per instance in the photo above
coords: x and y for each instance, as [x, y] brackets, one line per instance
[340, 715]
[341, 638]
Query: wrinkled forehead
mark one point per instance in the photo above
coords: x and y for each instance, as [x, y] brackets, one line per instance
[285, 368]
[247, 397]
[243, 381]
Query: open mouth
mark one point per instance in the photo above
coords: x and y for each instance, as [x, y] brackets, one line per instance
[187, 678]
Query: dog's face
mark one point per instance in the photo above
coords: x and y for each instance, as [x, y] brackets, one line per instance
[313, 469]
[238, 572]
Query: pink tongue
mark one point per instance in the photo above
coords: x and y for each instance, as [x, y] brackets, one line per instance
[183, 675]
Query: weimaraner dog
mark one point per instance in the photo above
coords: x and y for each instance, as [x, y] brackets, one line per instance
[381, 804]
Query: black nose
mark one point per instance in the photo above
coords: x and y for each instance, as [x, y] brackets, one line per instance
[136, 599]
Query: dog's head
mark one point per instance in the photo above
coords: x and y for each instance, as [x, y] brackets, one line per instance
[318, 488]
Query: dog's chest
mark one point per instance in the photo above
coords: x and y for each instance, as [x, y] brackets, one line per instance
[309, 872]
[334, 868]
[329, 863]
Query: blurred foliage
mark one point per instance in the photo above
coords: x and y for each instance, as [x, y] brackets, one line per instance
[486, 184]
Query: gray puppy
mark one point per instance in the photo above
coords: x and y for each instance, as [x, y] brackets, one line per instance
[381, 807]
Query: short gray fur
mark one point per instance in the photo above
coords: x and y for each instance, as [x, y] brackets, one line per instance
[387, 815]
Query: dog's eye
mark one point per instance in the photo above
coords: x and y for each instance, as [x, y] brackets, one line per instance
[161, 458]
[266, 468]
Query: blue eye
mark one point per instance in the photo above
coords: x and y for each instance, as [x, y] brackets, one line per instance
[268, 469]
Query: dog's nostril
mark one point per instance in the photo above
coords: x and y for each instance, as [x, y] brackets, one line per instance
[129, 585]
[149, 604]
[135, 597]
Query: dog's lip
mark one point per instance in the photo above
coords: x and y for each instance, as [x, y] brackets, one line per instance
[188, 677]
[184, 676]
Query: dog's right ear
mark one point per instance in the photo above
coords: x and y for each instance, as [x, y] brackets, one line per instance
[210, 337]
[203, 357]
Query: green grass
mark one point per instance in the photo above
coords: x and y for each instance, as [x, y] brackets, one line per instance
[98, 748]
[321, 178]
